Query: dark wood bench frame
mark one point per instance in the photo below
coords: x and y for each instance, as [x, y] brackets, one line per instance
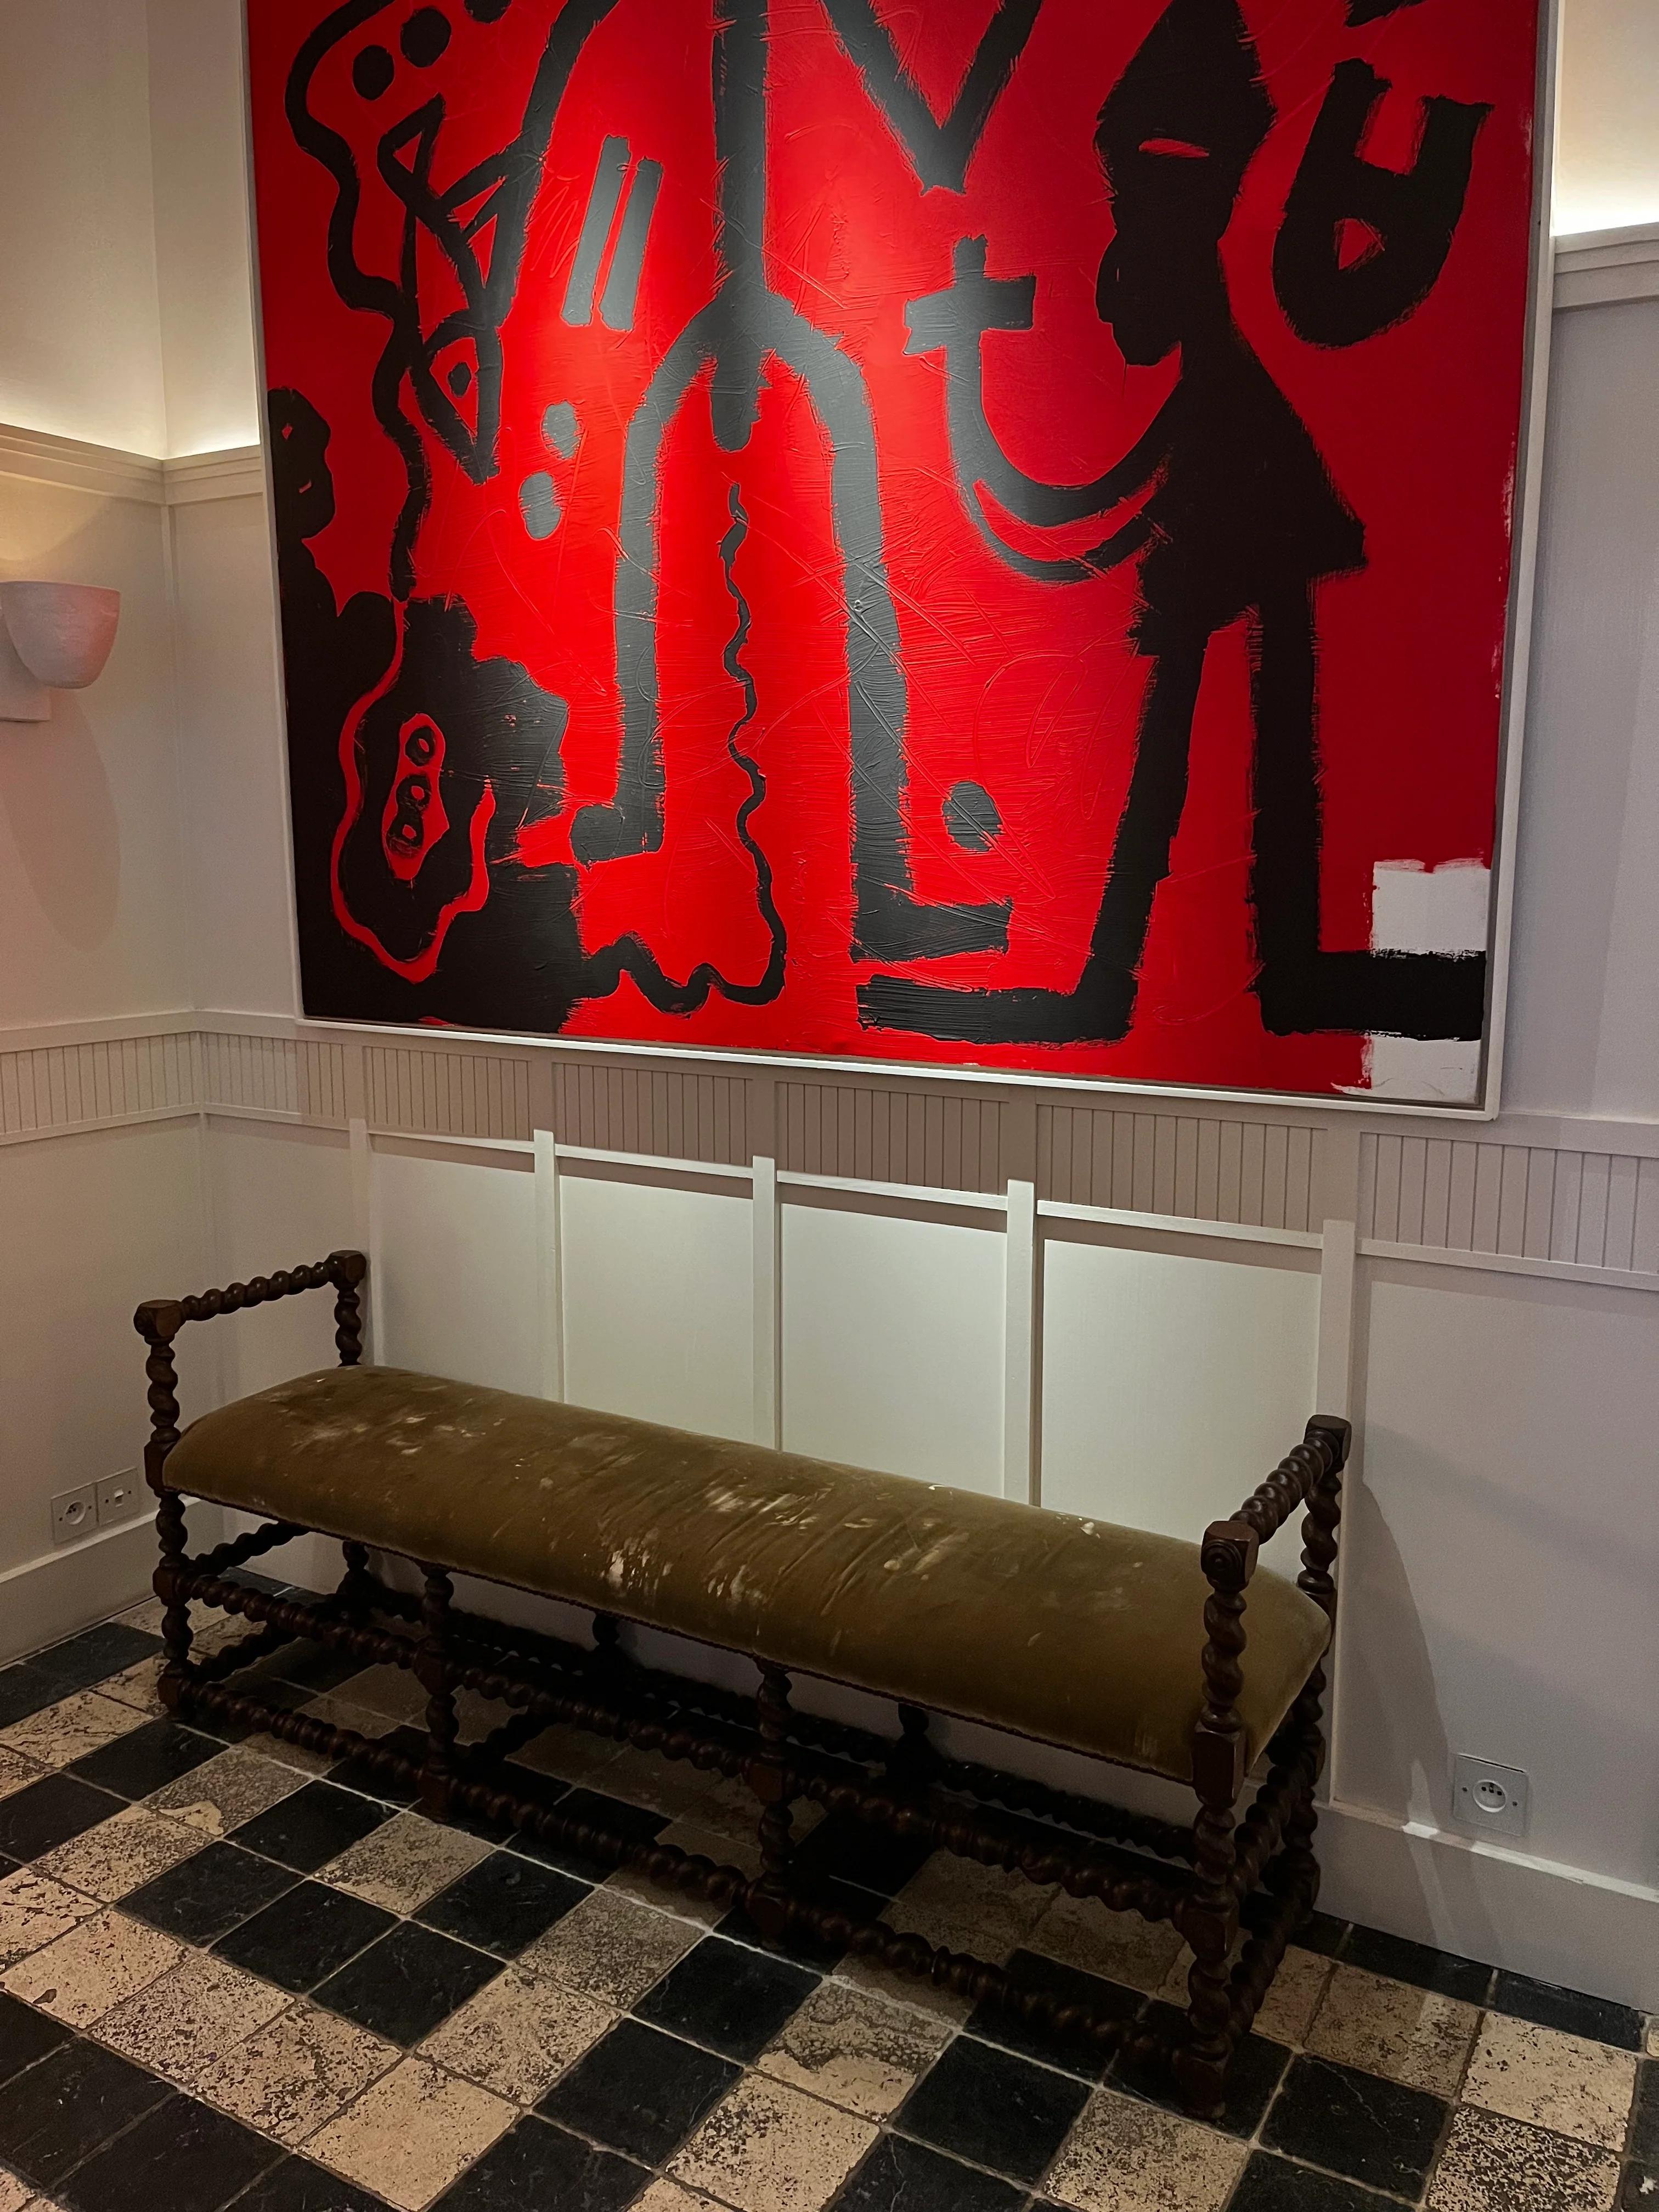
[1220, 1877]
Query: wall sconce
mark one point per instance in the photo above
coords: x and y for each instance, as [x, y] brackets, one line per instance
[53, 637]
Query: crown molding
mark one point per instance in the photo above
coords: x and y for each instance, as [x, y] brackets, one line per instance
[238, 472]
[1594, 268]
[37, 457]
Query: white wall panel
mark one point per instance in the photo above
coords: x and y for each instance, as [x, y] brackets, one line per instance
[458, 1273]
[1171, 1383]
[657, 1287]
[277, 1198]
[91, 1225]
[1502, 1562]
[893, 1344]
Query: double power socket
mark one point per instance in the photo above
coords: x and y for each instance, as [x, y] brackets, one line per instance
[76, 1513]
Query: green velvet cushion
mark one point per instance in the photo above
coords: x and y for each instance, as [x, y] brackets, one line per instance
[1072, 1631]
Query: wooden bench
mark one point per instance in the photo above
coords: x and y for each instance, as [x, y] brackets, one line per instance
[1126, 1646]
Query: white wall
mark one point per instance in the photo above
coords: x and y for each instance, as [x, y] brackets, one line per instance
[204, 291]
[91, 913]
[126, 302]
[1582, 1037]
[1607, 146]
[80, 322]
[233, 789]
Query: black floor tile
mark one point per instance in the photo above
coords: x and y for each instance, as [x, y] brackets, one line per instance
[403, 1985]
[632, 1822]
[93, 1656]
[733, 1999]
[8, 1866]
[1643, 2144]
[361, 1773]
[183, 2155]
[1258, 2068]
[297, 2186]
[504, 1903]
[1078, 2054]
[899, 2176]
[312, 1826]
[207, 1896]
[312, 1668]
[1424, 1969]
[639, 2091]
[283, 1695]
[59, 2111]
[543, 1790]
[800, 1943]
[24, 1690]
[48, 1812]
[1639, 2188]
[147, 1759]
[220, 1726]
[994, 2108]
[536, 2165]
[304, 1937]
[25, 2036]
[1545, 2006]
[1272, 2185]
[1356, 2124]
[857, 1852]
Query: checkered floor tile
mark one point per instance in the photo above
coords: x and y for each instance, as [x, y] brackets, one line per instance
[229, 1975]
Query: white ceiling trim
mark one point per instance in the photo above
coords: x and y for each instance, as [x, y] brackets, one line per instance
[1595, 267]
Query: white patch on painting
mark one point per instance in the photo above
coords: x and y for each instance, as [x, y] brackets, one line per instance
[1419, 909]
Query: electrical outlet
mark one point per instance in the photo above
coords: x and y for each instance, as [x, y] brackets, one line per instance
[1492, 1800]
[118, 1498]
[74, 1513]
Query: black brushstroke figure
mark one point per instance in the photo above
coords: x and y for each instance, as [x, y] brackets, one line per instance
[1238, 518]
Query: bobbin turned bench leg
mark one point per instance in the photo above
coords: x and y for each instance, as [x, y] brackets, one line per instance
[1210, 1918]
[769, 1906]
[434, 1671]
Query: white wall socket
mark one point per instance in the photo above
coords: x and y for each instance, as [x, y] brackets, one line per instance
[119, 1496]
[1490, 1799]
[74, 1513]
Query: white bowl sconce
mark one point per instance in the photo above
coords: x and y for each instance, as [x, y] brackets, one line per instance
[53, 637]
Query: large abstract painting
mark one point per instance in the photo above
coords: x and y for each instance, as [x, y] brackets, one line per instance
[970, 531]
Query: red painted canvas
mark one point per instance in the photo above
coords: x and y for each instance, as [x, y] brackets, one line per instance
[970, 531]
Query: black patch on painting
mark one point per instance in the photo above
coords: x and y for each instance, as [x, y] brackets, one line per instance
[939, 152]
[971, 817]
[1329, 297]
[425, 36]
[372, 71]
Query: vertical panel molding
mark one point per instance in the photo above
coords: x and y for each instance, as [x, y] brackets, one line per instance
[769, 1303]
[550, 1267]
[1021, 1467]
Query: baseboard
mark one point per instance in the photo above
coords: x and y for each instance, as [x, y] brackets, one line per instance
[45, 1599]
[1558, 1923]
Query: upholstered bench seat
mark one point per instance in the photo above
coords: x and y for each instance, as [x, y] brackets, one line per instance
[1072, 1631]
